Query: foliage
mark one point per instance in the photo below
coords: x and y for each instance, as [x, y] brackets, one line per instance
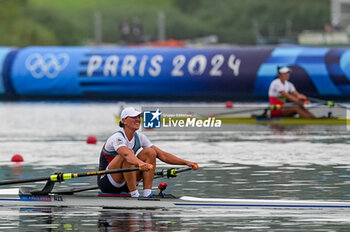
[67, 22]
[234, 20]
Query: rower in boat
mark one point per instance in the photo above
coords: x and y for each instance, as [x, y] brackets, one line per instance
[120, 152]
[282, 90]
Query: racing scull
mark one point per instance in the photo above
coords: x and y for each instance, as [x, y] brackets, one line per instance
[13, 197]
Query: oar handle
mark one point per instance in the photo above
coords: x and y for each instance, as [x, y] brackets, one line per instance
[184, 169]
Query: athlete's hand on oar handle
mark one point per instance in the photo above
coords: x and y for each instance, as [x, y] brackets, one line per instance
[145, 167]
[303, 99]
[305, 102]
[193, 165]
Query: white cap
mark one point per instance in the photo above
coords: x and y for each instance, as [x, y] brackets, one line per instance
[284, 69]
[129, 112]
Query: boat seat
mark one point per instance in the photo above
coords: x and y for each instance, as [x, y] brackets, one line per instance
[122, 194]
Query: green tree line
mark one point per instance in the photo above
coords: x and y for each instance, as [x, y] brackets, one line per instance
[71, 22]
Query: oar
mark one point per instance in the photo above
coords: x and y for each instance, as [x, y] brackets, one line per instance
[328, 103]
[170, 172]
[67, 176]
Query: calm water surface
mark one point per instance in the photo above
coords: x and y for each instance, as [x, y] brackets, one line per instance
[282, 163]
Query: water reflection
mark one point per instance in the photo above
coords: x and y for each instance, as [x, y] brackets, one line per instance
[17, 171]
[53, 219]
[86, 219]
[129, 221]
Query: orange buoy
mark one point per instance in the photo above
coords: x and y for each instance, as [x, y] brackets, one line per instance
[91, 140]
[229, 104]
[17, 158]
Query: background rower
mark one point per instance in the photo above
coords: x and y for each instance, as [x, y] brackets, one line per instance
[282, 90]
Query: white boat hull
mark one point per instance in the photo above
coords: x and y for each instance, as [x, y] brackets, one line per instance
[11, 197]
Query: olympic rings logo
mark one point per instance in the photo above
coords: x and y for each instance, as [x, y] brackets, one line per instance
[48, 65]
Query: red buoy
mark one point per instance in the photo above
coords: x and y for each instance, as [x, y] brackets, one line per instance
[229, 104]
[17, 158]
[91, 140]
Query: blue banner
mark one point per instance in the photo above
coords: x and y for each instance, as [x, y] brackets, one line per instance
[236, 73]
[47, 71]
[3, 52]
[315, 70]
[170, 72]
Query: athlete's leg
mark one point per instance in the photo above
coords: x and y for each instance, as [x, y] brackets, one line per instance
[148, 155]
[289, 111]
[130, 177]
[300, 110]
[304, 113]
